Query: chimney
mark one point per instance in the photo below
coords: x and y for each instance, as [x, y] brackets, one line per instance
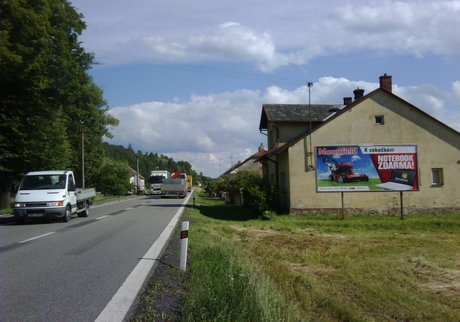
[261, 147]
[347, 100]
[385, 82]
[358, 93]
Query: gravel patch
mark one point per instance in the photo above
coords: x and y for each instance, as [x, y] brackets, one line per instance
[161, 298]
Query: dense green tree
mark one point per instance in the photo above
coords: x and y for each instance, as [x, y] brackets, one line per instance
[257, 193]
[47, 98]
[113, 179]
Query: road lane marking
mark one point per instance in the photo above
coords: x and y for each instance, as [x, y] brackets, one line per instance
[101, 217]
[118, 307]
[28, 240]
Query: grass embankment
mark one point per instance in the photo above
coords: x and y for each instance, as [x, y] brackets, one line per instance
[320, 268]
[289, 268]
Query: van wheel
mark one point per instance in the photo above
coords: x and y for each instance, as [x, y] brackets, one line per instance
[85, 213]
[67, 214]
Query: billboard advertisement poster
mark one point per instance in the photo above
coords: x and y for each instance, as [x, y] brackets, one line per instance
[366, 167]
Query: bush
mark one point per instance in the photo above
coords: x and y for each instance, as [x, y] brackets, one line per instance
[113, 179]
[256, 193]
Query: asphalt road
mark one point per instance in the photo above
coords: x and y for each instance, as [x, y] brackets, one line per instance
[54, 271]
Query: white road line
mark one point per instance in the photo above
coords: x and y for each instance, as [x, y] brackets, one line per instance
[28, 240]
[101, 217]
[129, 208]
[119, 305]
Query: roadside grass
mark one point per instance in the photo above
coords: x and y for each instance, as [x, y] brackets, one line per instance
[6, 211]
[320, 268]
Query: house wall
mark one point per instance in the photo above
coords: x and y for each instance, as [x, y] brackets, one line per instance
[285, 133]
[438, 147]
[284, 182]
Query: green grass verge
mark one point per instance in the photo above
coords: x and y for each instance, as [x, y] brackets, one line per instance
[320, 268]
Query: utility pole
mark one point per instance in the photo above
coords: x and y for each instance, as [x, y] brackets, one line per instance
[310, 85]
[137, 175]
[83, 159]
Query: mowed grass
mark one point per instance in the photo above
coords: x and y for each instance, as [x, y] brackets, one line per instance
[320, 268]
[372, 184]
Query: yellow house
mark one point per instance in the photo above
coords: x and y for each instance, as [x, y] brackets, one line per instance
[296, 134]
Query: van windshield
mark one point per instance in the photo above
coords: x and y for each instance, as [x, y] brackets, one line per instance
[41, 182]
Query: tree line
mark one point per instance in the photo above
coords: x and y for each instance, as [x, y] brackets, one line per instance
[149, 161]
[50, 107]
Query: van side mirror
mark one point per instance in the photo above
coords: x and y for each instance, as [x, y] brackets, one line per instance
[72, 187]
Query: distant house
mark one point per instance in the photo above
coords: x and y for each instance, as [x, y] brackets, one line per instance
[296, 133]
[251, 163]
[136, 179]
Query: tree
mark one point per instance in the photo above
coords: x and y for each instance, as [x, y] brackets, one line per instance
[113, 179]
[47, 98]
[257, 193]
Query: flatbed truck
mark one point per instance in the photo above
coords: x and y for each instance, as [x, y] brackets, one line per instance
[51, 194]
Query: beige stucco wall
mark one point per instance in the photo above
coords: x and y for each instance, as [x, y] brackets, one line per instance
[284, 133]
[403, 125]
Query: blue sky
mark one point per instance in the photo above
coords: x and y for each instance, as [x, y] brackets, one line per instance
[187, 79]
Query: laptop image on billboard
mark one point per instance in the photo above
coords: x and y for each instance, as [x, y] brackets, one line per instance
[399, 180]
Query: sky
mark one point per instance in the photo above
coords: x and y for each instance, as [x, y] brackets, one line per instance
[187, 79]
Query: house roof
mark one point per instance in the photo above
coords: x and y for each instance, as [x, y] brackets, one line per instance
[254, 158]
[333, 116]
[300, 113]
[133, 172]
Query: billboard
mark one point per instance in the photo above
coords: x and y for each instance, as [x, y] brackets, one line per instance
[366, 167]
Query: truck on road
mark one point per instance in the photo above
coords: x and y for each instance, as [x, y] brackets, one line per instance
[176, 186]
[51, 194]
[156, 181]
[189, 183]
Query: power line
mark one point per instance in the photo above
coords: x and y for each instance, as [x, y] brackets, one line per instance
[194, 68]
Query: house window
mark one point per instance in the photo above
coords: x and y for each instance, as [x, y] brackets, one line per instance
[437, 178]
[379, 119]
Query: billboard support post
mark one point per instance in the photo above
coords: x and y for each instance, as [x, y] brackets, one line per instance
[401, 199]
[343, 213]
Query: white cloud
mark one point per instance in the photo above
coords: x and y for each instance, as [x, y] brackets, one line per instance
[414, 27]
[291, 35]
[214, 128]
[213, 132]
[162, 46]
[234, 42]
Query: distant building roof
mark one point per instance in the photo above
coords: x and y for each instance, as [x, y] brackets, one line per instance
[253, 158]
[134, 172]
[302, 113]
